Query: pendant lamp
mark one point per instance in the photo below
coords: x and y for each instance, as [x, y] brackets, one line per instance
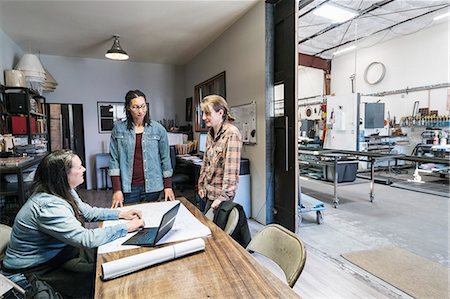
[50, 82]
[116, 52]
[32, 67]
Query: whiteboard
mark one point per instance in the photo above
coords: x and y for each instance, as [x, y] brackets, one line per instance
[245, 121]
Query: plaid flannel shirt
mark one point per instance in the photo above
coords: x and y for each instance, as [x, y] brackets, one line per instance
[219, 174]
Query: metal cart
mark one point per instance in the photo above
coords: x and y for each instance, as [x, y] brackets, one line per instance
[310, 205]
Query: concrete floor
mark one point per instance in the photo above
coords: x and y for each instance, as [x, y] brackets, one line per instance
[411, 220]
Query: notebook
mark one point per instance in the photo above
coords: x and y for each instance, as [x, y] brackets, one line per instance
[149, 236]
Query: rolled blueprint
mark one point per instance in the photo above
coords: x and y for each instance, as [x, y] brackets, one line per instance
[136, 262]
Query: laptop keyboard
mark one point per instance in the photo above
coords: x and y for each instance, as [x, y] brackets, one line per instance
[144, 237]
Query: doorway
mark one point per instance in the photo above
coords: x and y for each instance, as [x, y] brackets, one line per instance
[66, 130]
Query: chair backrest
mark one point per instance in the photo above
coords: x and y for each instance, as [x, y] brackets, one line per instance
[232, 221]
[5, 235]
[210, 214]
[283, 247]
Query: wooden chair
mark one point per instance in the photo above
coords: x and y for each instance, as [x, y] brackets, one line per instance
[283, 247]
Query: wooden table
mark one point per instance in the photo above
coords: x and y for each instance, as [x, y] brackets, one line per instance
[17, 166]
[223, 270]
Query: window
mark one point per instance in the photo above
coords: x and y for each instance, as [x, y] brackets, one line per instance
[108, 114]
[215, 85]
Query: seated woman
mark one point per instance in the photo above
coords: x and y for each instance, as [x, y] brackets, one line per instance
[49, 240]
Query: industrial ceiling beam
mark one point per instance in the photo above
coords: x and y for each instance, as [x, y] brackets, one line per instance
[314, 61]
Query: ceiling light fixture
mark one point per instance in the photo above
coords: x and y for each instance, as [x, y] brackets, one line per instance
[441, 16]
[344, 50]
[334, 13]
[116, 52]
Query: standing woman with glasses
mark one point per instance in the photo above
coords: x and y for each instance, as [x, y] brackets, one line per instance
[139, 166]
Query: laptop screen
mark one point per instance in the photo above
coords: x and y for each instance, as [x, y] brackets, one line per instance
[167, 222]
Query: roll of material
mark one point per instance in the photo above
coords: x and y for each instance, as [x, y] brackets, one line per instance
[136, 262]
[15, 78]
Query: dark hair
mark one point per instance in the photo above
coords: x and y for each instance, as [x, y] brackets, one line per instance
[216, 102]
[132, 94]
[51, 178]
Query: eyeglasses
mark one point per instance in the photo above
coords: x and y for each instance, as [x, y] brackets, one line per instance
[137, 108]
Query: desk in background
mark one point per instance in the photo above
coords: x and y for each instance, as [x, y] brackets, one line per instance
[223, 270]
[242, 196]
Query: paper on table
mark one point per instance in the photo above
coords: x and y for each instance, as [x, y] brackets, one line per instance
[136, 262]
[185, 227]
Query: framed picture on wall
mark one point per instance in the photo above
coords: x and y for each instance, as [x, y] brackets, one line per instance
[108, 114]
[214, 85]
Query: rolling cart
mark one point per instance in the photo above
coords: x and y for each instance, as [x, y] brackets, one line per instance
[308, 204]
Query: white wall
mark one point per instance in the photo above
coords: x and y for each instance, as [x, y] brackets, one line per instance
[413, 60]
[10, 54]
[240, 51]
[86, 81]
[311, 83]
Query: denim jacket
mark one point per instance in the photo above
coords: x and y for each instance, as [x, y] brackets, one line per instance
[155, 153]
[46, 224]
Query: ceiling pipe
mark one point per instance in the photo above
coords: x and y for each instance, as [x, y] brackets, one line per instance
[361, 13]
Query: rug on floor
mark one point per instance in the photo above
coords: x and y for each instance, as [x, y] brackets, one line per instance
[413, 274]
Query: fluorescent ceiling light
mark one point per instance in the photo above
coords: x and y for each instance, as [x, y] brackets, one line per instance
[344, 50]
[441, 16]
[334, 13]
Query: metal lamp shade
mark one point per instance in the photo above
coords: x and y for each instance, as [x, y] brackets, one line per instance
[116, 52]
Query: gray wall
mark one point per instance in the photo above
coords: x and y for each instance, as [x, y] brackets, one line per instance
[87, 81]
[10, 54]
[240, 51]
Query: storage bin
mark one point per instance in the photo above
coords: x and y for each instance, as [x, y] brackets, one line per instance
[346, 172]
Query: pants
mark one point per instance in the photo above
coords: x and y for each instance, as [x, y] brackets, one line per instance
[72, 279]
[200, 203]
[138, 195]
[71, 273]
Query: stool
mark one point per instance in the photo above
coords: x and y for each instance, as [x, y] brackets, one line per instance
[104, 171]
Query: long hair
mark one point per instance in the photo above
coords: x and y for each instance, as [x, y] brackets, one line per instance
[132, 94]
[51, 178]
[216, 102]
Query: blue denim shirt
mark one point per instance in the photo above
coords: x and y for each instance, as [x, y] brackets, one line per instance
[155, 154]
[46, 224]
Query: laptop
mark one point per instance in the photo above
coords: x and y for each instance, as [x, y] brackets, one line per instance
[149, 236]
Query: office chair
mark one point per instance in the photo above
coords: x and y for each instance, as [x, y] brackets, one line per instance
[5, 235]
[283, 247]
[179, 179]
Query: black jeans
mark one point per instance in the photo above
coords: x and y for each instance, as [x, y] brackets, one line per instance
[74, 278]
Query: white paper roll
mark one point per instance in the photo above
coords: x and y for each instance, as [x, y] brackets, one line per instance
[136, 262]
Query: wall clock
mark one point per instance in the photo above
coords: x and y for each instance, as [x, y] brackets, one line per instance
[374, 73]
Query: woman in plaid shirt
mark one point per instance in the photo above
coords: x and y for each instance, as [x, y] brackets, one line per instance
[219, 175]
